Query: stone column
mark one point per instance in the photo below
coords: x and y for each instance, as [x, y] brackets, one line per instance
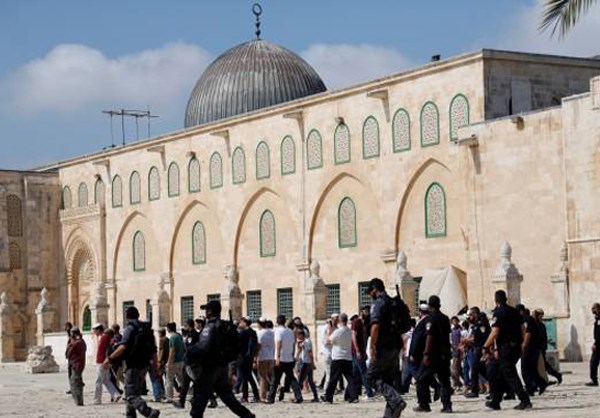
[7, 347]
[99, 305]
[315, 293]
[404, 280]
[507, 277]
[231, 299]
[560, 284]
[44, 313]
[161, 305]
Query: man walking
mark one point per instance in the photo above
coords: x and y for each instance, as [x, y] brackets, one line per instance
[507, 333]
[385, 350]
[538, 315]
[248, 348]
[103, 372]
[341, 359]
[266, 357]
[595, 358]
[138, 348]
[76, 350]
[285, 343]
[530, 353]
[175, 361]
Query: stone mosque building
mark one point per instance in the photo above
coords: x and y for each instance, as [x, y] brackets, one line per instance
[459, 177]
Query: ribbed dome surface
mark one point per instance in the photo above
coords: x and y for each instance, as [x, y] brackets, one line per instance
[250, 76]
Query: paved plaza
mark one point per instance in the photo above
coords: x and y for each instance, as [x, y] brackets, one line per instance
[26, 395]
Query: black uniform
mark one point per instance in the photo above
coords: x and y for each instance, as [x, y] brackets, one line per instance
[384, 367]
[509, 340]
[190, 339]
[211, 374]
[529, 358]
[437, 326]
[595, 359]
[480, 332]
[249, 340]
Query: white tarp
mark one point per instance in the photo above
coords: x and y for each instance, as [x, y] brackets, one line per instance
[449, 284]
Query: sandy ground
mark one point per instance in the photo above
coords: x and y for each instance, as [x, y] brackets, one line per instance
[25, 395]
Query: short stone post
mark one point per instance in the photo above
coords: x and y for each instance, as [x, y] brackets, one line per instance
[161, 306]
[404, 280]
[99, 306]
[507, 277]
[7, 347]
[560, 284]
[315, 294]
[43, 313]
[231, 300]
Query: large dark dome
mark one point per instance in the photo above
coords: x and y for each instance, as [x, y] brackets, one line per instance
[250, 76]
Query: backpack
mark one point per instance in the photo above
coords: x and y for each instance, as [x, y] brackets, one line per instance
[143, 347]
[399, 321]
[228, 341]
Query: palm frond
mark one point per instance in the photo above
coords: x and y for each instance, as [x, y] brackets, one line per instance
[562, 15]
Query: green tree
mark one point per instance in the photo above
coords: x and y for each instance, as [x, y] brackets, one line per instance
[562, 15]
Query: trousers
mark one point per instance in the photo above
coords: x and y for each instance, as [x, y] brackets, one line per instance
[505, 378]
[306, 373]
[594, 363]
[286, 369]
[381, 374]
[266, 374]
[341, 368]
[103, 379]
[174, 375]
[134, 378]
[76, 386]
[426, 376]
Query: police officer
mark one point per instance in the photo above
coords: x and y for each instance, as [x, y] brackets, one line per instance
[436, 358]
[211, 376]
[190, 339]
[135, 369]
[507, 333]
[385, 350]
[479, 331]
[531, 351]
[595, 359]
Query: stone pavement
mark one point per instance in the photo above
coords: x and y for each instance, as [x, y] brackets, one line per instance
[37, 396]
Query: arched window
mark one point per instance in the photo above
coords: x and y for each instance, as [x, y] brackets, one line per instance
[99, 192]
[459, 114]
[238, 169]
[15, 216]
[314, 150]
[401, 130]
[14, 256]
[153, 184]
[86, 323]
[173, 180]
[370, 138]
[268, 244]
[198, 243]
[263, 161]
[67, 199]
[83, 195]
[288, 155]
[216, 171]
[117, 192]
[135, 188]
[341, 144]
[430, 125]
[435, 211]
[194, 175]
[139, 252]
[347, 223]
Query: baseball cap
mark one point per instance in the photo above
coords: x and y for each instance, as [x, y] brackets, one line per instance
[213, 305]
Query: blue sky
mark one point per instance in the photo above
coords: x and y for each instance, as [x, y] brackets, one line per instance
[63, 61]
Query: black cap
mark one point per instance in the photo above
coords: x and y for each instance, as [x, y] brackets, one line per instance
[213, 305]
[376, 283]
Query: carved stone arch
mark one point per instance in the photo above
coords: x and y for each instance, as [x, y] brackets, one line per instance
[119, 240]
[244, 214]
[322, 197]
[409, 186]
[82, 271]
[182, 216]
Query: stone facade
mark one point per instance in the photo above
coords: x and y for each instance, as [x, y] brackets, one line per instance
[368, 181]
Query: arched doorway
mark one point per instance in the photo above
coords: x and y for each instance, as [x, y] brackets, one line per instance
[80, 277]
[86, 323]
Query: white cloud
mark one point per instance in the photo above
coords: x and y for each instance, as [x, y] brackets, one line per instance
[521, 34]
[343, 65]
[71, 76]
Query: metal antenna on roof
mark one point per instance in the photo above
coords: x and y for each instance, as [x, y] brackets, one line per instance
[132, 114]
[257, 10]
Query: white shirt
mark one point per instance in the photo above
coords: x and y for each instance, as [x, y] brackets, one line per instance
[325, 346]
[288, 342]
[341, 341]
[266, 339]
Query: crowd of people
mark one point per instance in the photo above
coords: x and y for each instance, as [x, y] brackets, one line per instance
[379, 351]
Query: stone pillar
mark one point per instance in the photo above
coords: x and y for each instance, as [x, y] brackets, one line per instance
[161, 305]
[404, 280]
[99, 305]
[45, 317]
[231, 299]
[560, 284]
[315, 293]
[507, 277]
[7, 347]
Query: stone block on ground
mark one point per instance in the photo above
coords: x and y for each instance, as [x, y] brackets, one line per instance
[41, 360]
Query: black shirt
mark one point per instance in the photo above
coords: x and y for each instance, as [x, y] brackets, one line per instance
[380, 315]
[532, 328]
[597, 330]
[248, 341]
[417, 342]
[440, 330]
[509, 322]
[480, 332]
